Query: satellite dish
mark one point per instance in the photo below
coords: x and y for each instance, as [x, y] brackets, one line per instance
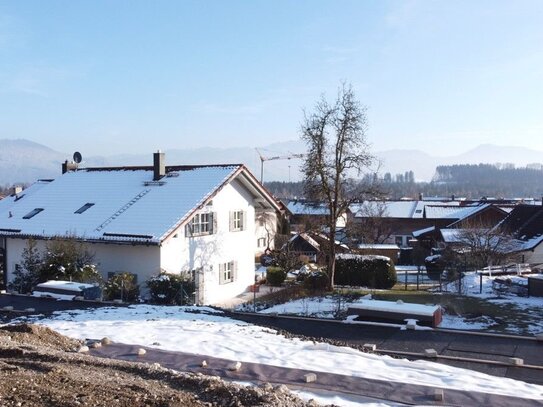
[77, 157]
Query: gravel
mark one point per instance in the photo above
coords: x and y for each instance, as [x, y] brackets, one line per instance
[39, 367]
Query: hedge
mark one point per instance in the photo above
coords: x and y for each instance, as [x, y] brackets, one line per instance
[365, 271]
[167, 288]
[275, 275]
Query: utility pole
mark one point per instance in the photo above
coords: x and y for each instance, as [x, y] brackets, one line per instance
[278, 157]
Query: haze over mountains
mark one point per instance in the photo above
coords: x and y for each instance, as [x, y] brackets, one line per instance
[23, 161]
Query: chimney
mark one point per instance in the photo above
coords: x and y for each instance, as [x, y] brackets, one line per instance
[421, 196]
[452, 197]
[159, 166]
[68, 166]
[17, 189]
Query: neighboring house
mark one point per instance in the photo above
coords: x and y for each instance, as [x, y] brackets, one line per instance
[307, 215]
[525, 224]
[146, 220]
[313, 246]
[475, 216]
[400, 221]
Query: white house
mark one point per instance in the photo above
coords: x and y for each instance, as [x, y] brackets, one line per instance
[144, 220]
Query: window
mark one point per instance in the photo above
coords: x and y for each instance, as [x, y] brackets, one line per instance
[84, 208]
[236, 221]
[32, 213]
[227, 272]
[399, 240]
[200, 224]
[261, 242]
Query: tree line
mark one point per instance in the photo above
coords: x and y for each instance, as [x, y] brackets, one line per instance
[472, 181]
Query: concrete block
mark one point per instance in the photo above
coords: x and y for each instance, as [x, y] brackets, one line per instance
[430, 353]
[369, 347]
[141, 352]
[438, 395]
[310, 377]
[411, 324]
[235, 366]
[516, 361]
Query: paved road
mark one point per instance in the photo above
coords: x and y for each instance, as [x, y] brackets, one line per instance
[492, 348]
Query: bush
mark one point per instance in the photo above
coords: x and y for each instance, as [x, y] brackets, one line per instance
[122, 286]
[275, 276]
[434, 266]
[167, 288]
[316, 281]
[365, 271]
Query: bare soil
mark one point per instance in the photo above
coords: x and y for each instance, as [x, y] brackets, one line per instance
[39, 367]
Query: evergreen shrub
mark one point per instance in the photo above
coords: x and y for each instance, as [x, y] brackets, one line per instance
[365, 271]
[275, 275]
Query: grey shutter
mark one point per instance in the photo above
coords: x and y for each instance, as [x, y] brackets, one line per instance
[213, 222]
[231, 221]
[188, 230]
[234, 270]
[221, 273]
[244, 220]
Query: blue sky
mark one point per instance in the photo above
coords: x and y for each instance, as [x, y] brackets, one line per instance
[133, 76]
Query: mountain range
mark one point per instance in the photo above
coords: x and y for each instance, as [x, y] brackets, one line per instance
[24, 161]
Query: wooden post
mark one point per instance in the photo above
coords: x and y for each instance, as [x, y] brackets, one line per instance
[480, 283]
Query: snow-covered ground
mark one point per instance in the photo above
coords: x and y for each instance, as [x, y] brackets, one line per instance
[532, 307]
[210, 333]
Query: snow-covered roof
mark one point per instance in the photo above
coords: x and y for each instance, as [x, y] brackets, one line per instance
[386, 209]
[419, 232]
[307, 208]
[451, 235]
[119, 205]
[377, 246]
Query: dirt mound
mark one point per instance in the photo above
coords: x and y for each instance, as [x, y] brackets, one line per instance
[39, 367]
[36, 335]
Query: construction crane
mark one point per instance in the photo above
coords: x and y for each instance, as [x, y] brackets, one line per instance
[278, 157]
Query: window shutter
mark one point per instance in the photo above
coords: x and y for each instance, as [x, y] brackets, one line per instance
[244, 220]
[234, 270]
[231, 227]
[221, 273]
[188, 231]
[213, 222]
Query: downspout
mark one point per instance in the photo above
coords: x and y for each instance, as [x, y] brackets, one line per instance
[3, 247]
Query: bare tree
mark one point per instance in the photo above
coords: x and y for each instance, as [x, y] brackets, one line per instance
[370, 225]
[335, 135]
[484, 245]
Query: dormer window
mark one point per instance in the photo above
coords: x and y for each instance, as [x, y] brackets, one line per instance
[32, 213]
[84, 208]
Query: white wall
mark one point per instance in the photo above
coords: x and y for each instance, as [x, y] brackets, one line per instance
[265, 227]
[533, 257]
[141, 260]
[181, 253]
